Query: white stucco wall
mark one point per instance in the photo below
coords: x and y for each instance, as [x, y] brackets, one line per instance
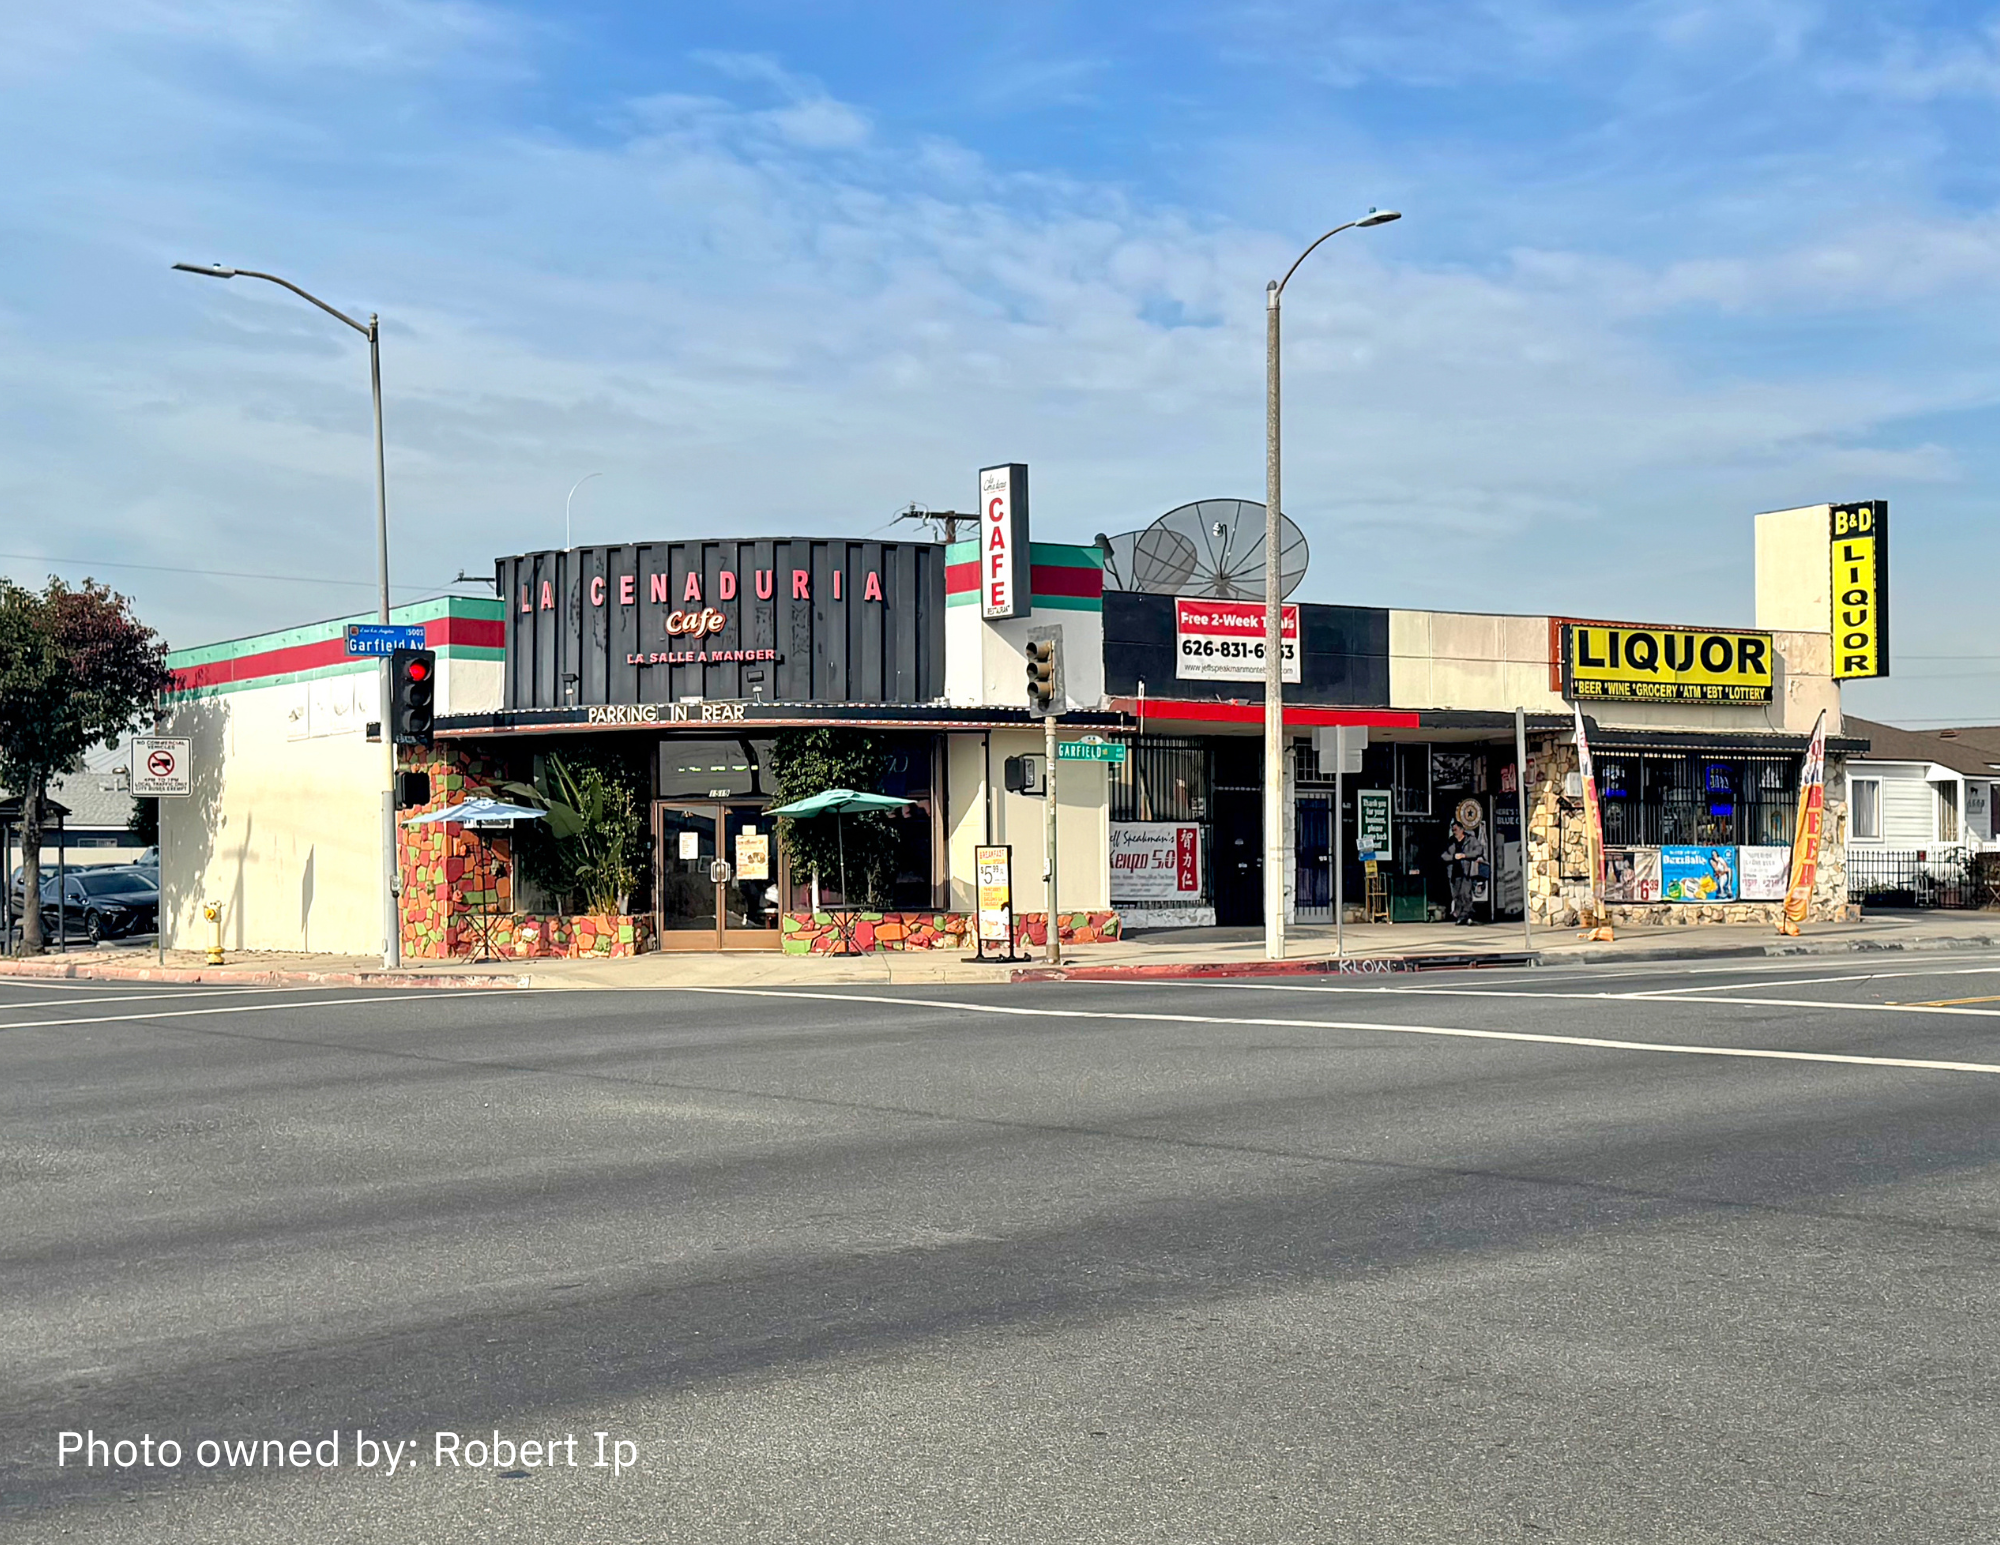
[1083, 831]
[283, 828]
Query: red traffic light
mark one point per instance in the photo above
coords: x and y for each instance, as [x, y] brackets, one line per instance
[417, 670]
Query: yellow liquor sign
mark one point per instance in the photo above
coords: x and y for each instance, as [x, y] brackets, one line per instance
[1860, 575]
[1614, 661]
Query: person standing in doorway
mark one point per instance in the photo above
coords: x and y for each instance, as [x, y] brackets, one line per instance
[1464, 856]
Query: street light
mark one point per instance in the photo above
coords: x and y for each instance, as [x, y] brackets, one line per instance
[392, 945]
[568, 540]
[1274, 599]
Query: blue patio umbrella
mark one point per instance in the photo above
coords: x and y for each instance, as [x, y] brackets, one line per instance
[480, 812]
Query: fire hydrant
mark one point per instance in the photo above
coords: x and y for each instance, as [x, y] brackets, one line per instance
[213, 912]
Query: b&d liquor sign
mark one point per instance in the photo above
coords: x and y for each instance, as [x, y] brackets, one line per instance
[787, 620]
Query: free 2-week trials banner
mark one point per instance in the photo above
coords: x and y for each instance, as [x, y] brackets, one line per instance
[1805, 842]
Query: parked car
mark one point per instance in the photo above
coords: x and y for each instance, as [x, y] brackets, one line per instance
[106, 903]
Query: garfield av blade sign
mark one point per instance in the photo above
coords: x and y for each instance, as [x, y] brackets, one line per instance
[1666, 665]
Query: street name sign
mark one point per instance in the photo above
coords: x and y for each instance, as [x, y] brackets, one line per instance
[1090, 751]
[383, 638]
[162, 766]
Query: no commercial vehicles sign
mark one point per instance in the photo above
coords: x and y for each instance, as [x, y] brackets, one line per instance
[162, 766]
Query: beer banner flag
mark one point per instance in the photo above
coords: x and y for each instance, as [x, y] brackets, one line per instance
[1805, 841]
[1594, 815]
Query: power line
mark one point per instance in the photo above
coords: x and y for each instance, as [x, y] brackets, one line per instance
[161, 568]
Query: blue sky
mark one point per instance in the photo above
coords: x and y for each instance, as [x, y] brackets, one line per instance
[785, 267]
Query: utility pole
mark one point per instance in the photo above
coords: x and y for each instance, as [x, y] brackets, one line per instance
[1054, 950]
[944, 522]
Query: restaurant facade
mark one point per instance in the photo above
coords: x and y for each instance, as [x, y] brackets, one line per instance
[694, 668]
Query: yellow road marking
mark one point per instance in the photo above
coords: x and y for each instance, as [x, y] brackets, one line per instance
[1948, 1003]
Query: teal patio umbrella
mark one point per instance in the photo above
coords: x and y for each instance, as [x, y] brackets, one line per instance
[836, 803]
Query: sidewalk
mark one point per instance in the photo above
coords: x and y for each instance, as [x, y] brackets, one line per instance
[1157, 954]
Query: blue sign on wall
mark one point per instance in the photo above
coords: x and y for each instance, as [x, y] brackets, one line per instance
[383, 638]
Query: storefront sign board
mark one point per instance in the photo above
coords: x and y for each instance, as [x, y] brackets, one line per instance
[382, 638]
[1666, 665]
[995, 867]
[1860, 554]
[1698, 874]
[1003, 542]
[1155, 861]
[1224, 640]
[1371, 821]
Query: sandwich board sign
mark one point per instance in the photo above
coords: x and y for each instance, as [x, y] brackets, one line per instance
[162, 766]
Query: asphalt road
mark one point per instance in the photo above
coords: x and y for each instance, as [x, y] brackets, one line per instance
[1404, 1259]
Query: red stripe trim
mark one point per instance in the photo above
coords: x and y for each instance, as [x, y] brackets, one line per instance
[959, 577]
[439, 633]
[1049, 579]
[1253, 713]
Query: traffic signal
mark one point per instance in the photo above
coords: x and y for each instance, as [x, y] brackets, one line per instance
[412, 696]
[1041, 654]
[412, 789]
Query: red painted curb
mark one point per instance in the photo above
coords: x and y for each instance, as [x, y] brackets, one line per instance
[222, 976]
[1375, 965]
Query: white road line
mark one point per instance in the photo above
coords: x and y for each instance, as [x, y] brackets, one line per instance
[9, 1004]
[241, 1008]
[1813, 981]
[1451, 1031]
[1591, 997]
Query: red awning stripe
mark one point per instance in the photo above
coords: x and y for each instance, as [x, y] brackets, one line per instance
[1198, 712]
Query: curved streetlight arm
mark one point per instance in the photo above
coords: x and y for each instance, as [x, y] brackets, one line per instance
[1279, 288]
[217, 271]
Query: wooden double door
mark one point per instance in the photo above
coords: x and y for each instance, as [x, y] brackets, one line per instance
[698, 908]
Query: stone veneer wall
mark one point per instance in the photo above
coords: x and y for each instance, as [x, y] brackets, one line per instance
[1559, 868]
[872, 931]
[449, 879]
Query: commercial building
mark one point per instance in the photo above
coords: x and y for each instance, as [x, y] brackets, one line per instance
[689, 663]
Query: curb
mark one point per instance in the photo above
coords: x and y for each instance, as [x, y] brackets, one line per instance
[222, 976]
[1778, 951]
[1364, 965]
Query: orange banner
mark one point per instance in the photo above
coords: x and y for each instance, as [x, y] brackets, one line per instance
[1805, 841]
[1593, 815]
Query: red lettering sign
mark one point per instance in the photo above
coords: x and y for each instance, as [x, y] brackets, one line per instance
[597, 590]
[801, 585]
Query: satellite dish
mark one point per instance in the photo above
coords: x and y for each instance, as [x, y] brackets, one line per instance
[1215, 547]
[1153, 561]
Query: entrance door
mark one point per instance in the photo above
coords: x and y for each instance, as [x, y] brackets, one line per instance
[1237, 857]
[696, 910]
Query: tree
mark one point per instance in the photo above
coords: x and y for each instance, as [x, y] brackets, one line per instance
[76, 667]
[808, 762]
[588, 847]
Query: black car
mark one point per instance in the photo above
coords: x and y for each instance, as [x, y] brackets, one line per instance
[103, 903]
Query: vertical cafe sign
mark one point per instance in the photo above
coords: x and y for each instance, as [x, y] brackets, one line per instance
[1003, 541]
[1860, 556]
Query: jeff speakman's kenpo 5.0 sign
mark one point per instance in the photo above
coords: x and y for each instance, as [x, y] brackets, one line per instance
[1666, 665]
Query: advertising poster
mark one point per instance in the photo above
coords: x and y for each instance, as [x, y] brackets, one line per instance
[753, 856]
[1155, 861]
[996, 894]
[1371, 821]
[1764, 873]
[1224, 640]
[1698, 874]
[1631, 875]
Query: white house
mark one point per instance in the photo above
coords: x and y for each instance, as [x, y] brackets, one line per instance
[1922, 789]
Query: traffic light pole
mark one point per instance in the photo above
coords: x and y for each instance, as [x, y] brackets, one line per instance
[1054, 949]
[392, 921]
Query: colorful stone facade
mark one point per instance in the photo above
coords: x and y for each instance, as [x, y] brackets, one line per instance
[869, 932]
[458, 889]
